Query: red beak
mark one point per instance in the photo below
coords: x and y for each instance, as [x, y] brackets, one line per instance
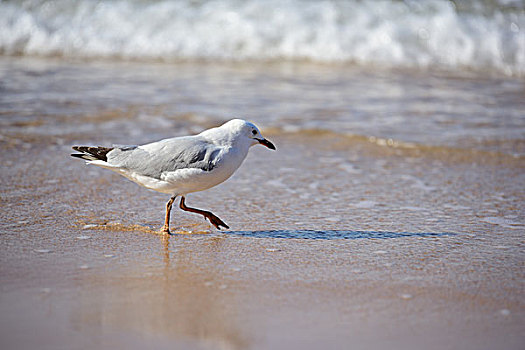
[266, 143]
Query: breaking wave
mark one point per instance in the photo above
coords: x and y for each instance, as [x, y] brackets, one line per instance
[435, 33]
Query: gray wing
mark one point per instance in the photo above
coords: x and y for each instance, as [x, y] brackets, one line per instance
[191, 152]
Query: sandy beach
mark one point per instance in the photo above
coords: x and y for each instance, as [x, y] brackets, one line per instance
[391, 215]
[336, 240]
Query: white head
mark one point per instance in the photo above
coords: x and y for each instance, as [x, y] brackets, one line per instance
[245, 132]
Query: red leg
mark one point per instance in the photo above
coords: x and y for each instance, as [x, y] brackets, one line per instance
[166, 228]
[210, 216]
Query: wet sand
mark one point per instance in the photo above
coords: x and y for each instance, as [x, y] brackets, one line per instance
[336, 241]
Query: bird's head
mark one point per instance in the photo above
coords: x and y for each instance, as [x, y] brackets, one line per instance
[249, 132]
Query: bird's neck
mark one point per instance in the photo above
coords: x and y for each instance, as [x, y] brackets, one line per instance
[225, 138]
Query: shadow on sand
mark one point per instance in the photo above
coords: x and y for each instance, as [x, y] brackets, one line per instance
[334, 234]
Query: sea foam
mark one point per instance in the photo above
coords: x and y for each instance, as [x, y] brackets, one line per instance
[391, 33]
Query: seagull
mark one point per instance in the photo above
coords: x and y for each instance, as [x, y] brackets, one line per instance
[181, 165]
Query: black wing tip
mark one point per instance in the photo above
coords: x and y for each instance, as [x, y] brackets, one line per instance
[92, 153]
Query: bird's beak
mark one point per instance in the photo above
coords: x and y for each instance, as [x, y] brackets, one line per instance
[266, 143]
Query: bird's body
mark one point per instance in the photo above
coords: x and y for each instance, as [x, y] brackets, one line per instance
[181, 165]
[195, 164]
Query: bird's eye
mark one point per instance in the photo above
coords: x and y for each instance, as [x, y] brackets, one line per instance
[254, 132]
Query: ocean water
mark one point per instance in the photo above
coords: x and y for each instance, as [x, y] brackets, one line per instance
[388, 107]
[357, 143]
[403, 73]
[478, 35]
[436, 81]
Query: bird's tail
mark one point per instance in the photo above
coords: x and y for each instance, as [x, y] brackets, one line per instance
[92, 153]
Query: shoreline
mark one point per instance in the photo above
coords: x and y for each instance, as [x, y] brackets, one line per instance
[421, 246]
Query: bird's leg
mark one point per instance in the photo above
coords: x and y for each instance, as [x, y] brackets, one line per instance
[210, 216]
[166, 228]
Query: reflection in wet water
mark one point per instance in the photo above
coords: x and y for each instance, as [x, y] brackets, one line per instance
[192, 303]
[334, 234]
[179, 301]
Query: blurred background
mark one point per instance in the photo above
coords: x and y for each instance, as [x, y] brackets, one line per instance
[438, 72]
[484, 35]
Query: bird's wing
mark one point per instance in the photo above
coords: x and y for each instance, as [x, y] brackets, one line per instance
[154, 159]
